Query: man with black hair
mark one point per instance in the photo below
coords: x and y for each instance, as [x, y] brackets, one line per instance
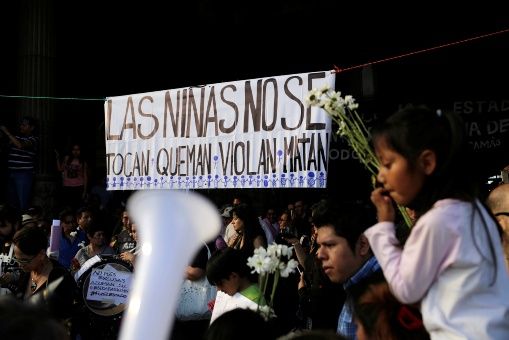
[344, 251]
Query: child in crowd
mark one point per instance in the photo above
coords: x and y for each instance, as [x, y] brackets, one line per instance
[227, 269]
[379, 316]
[452, 262]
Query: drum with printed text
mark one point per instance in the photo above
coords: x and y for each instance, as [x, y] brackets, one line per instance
[104, 285]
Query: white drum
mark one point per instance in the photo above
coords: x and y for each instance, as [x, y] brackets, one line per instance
[104, 285]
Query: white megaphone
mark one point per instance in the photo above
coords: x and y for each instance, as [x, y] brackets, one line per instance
[172, 226]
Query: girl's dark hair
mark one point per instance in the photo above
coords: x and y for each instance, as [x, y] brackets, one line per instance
[384, 317]
[31, 240]
[252, 228]
[225, 261]
[414, 129]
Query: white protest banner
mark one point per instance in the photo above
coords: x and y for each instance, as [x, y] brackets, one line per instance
[256, 133]
[109, 285]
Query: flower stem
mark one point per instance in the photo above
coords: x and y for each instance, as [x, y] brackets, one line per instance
[405, 216]
[358, 136]
[262, 282]
[274, 286]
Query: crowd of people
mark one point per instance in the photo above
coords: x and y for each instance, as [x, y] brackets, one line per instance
[363, 273]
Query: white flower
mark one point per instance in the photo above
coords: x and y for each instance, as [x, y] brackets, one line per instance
[275, 260]
[313, 97]
[288, 268]
[73, 234]
[336, 97]
[343, 112]
[333, 107]
[286, 251]
[350, 125]
[325, 88]
[350, 102]
[260, 263]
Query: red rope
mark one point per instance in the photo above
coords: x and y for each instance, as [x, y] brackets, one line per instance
[339, 70]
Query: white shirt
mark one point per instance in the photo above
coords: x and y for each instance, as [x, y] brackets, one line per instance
[441, 266]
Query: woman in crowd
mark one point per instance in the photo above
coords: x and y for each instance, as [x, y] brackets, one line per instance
[74, 171]
[39, 272]
[97, 246]
[249, 234]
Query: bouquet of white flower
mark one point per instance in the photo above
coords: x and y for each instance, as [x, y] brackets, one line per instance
[274, 261]
[343, 111]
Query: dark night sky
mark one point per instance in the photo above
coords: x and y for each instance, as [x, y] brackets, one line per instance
[110, 48]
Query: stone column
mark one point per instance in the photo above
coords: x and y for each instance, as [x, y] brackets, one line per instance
[36, 72]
